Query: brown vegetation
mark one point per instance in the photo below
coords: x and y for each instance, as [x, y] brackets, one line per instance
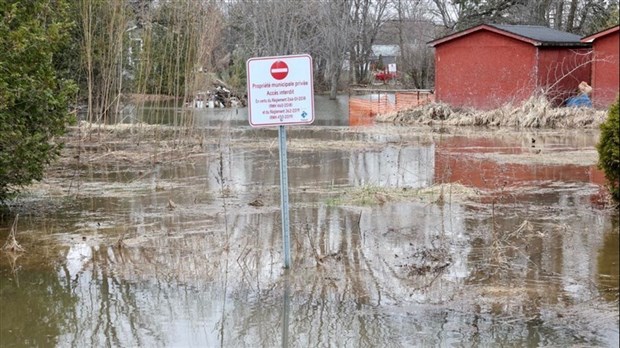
[11, 244]
[536, 112]
[136, 143]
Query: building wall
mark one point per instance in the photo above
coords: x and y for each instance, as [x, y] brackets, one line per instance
[560, 70]
[484, 70]
[605, 72]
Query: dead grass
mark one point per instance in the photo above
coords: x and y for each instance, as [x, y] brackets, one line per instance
[11, 244]
[137, 143]
[536, 112]
[544, 157]
[378, 195]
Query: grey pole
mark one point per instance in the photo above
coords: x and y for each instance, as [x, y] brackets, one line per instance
[286, 237]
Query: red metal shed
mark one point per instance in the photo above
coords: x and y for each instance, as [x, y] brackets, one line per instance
[605, 72]
[490, 65]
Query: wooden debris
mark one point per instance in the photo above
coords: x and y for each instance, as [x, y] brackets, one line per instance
[171, 205]
[257, 203]
[221, 96]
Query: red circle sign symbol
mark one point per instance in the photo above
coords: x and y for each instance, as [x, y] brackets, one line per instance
[279, 70]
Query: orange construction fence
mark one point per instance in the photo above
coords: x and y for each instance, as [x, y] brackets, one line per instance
[363, 108]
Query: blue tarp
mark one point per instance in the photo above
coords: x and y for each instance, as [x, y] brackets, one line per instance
[578, 101]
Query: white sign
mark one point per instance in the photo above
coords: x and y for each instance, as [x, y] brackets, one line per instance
[392, 67]
[280, 90]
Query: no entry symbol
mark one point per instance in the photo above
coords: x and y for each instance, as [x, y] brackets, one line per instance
[279, 70]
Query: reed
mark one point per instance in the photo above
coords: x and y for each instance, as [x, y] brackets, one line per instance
[535, 112]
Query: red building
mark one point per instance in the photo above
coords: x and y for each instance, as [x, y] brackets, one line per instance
[605, 71]
[490, 65]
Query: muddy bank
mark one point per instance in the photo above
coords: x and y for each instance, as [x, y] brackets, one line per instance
[534, 113]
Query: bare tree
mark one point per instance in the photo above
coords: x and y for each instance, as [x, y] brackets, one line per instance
[575, 16]
[102, 25]
[272, 27]
[335, 33]
[447, 12]
[414, 29]
[367, 16]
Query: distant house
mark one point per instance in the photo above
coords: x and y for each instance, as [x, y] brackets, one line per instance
[605, 84]
[386, 53]
[490, 65]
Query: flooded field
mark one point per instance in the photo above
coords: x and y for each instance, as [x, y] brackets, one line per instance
[401, 237]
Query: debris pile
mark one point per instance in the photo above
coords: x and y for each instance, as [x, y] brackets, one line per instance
[219, 97]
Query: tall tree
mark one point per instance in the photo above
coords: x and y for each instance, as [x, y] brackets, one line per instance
[414, 29]
[274, 27]
[335, 33]
[577, 16]
[367, 16]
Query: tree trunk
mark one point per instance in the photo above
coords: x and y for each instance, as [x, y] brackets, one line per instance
[333, 88]
[570, 20]
[559, 14]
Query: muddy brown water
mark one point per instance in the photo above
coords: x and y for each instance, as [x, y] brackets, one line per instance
[401, 237]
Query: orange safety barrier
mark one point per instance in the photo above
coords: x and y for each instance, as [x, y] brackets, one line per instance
[363, 110]
[410, 99]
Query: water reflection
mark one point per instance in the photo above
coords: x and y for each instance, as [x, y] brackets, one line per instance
[37, 307]
[533, 262]
[354, 284]
[393, 166]
[327, 113]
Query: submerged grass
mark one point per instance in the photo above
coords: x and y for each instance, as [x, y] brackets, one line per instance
[369, 195]
[138, 143]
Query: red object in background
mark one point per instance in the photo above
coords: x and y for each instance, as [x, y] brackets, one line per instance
[385, 76]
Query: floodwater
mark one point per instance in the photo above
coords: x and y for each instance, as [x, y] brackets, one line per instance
[463, 238]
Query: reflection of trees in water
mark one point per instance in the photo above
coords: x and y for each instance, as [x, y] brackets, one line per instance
[110, 310]
[345, 279]
[531, 268]
[530, 247]
[361, 276]
[394, 166]
[609, 263]
[350, 283]
[157, 291]
[35, 308]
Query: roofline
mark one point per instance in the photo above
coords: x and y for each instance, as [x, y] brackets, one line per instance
[575, 44]
[505, 33]
[604, 32]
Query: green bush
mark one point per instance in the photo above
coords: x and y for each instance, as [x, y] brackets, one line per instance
[34, 98]
[609, 150]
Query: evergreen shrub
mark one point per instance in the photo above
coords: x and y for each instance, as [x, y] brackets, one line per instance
[609, 150]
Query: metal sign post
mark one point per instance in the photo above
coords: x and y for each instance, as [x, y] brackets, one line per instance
[281, 92]
[286, 235]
